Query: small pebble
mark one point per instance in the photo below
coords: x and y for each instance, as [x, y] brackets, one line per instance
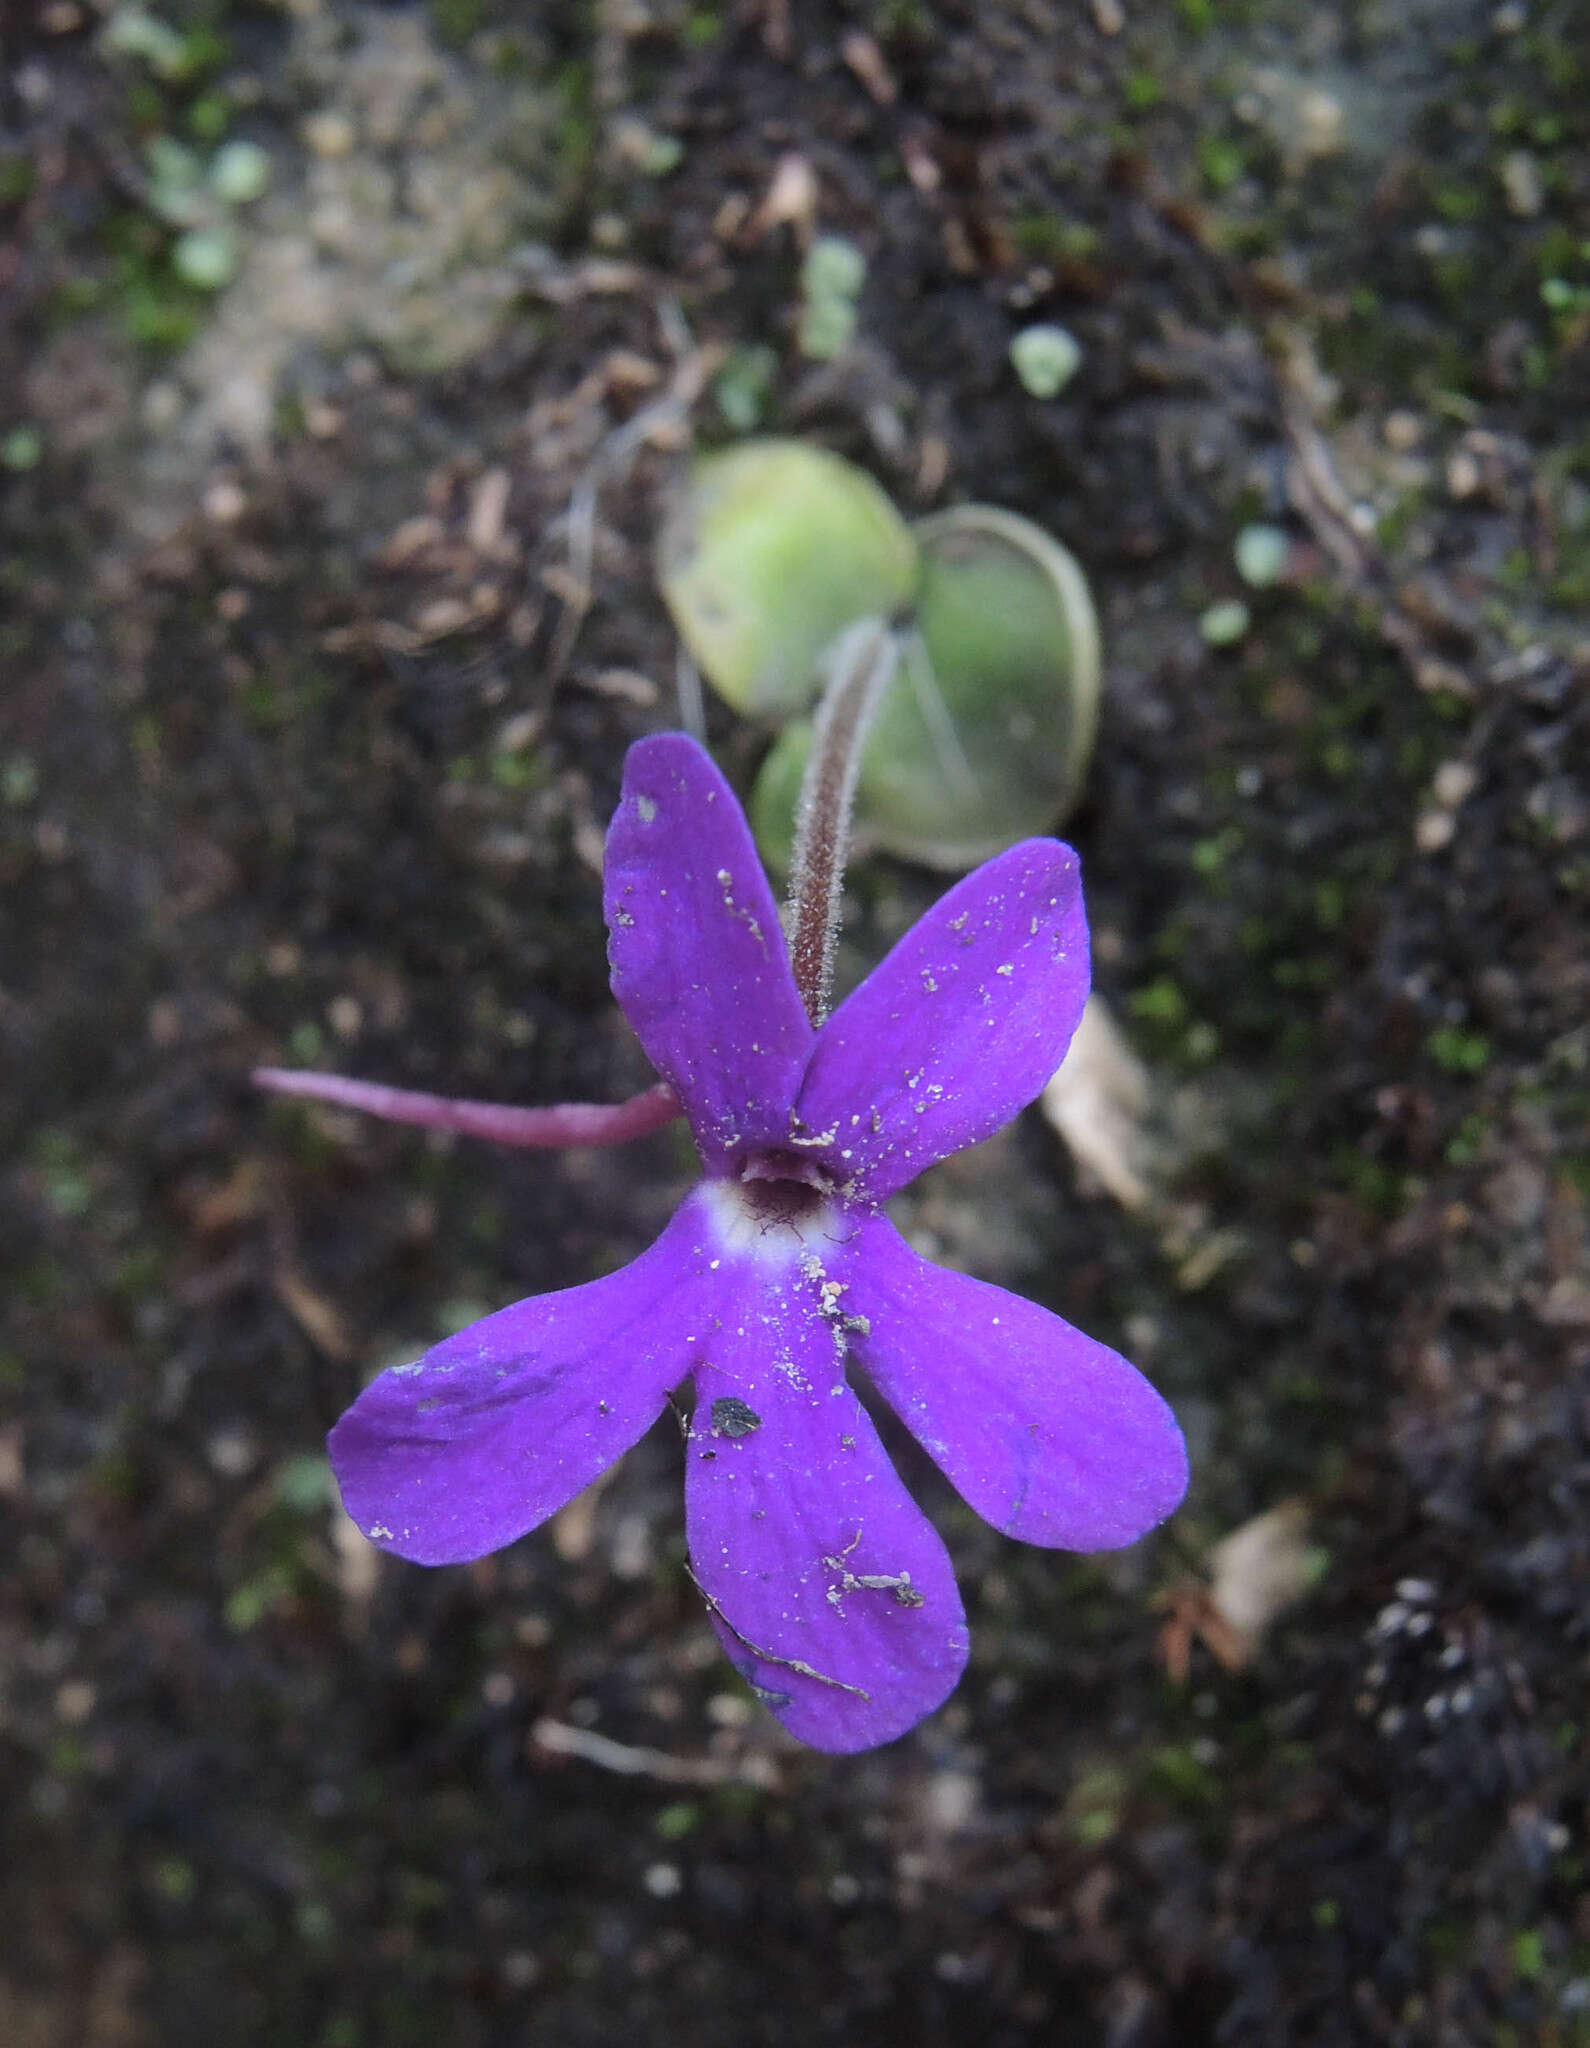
[74, 1701]
[1319, 120]
[162, 405]
[1402, 430]
[329, 134]
[224, 502]
[1521, 185]
[232, 1453]
[346, 1017]
[1452, 783]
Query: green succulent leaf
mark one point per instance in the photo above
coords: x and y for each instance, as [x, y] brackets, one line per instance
[984, 735]
[770, 550]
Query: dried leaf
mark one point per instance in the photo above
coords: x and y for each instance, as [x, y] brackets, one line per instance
[320, 1321]
[1098, 1102]
[1263, 1568]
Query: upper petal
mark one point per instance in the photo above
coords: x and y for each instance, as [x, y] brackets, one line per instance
[1051, 1437]
[961, 1024]
[830, 1590]
[495, 1429]
[698, 957]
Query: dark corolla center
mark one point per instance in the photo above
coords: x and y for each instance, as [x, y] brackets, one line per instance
[783, 1187]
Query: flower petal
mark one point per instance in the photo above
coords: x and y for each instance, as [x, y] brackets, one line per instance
[496, 1428]
[1051, 1437]
[831, 1592]
[699, 962]
[961, 1024]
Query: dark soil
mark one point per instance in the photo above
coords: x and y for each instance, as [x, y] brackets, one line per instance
[263, 796]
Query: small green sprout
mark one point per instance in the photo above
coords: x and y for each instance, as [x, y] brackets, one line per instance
[831, 280]
[1046, 358]
[1459, 1051]
[240, 173]
[1225, 623]
[130, 32]
[206, 258]
[1260, 554]
[744, 384]
[21, 447]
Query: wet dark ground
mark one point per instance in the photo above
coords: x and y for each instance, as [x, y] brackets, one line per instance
[263, 797]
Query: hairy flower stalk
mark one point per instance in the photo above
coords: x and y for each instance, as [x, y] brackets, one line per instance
[780, 1272]
[860, 669]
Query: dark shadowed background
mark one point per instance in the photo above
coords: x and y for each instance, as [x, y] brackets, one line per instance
[302, 759]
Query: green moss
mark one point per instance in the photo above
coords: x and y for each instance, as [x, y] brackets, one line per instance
[1459, 1051]
[1369, 1180]
[1053, 237]
[1160, 1002]
[1303, 973]
[701, 27]
[576, 120]
[249, 1602]
[1330, 903]
[518, 771]
[208, 117]
[1209, 856]
[457, 20]
[19, 781]
[1529, 1953]
[17, 176]
[59, 1160]
[1141, 90]
[1177, 1772]
[1460, 203]
[1093, 1809]
[1221, 160]
[1445, 1940]
[306, 1042]
[157, 310]
[1560, 62]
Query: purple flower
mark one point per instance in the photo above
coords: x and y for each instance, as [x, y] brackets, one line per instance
[829, 1589]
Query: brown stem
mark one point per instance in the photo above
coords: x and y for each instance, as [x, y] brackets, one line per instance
[861, 668]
